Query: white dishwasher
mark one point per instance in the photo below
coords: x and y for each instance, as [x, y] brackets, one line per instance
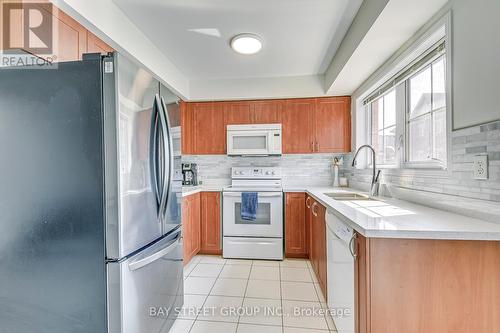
[340, 273]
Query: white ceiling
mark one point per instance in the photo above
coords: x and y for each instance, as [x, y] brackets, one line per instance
[300, 36]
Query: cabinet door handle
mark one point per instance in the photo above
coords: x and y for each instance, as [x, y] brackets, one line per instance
[316, 147]
[315, 213]
[352, 246]
[312, 145]
[308, 202]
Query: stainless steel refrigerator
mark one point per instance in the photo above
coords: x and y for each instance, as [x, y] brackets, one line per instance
[90, 199]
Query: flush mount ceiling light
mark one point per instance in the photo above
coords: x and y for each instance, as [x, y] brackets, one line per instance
[246, 43]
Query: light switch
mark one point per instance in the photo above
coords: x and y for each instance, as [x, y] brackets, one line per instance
[480, 167]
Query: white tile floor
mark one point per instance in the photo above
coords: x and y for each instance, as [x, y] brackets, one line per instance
[216, 287]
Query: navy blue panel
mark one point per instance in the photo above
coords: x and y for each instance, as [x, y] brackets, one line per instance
[52, 269]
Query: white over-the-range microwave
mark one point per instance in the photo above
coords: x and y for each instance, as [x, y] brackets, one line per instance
[254, 140]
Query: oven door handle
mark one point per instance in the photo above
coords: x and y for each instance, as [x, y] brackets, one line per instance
[260, 194]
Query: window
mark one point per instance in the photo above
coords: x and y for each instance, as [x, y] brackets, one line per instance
[426, 116]
[383, 127]
[407, 115]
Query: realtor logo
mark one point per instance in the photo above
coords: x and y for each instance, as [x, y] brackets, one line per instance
[28, 26]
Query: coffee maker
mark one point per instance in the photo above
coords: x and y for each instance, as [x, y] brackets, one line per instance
[189, 172]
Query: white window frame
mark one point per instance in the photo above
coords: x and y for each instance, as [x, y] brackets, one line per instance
[429, 164]
[429, 35]
[397, 163]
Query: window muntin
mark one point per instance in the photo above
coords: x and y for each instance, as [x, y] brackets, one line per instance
[383, 127]
[426, 116]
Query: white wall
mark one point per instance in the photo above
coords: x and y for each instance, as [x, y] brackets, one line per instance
[109, 23]
[253, 88]
[476, 62]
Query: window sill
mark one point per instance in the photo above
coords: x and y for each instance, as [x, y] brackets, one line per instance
[429, 170]
[434, 165]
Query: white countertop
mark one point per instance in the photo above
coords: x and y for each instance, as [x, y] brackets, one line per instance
[189, 190]
[388, 217]
[393, 218]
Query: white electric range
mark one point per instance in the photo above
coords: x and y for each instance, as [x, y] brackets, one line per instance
[261, 238]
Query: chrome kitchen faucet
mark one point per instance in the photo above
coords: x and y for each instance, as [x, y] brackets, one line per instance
[375, 176]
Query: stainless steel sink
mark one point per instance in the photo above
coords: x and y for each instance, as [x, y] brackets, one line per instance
[348, 196]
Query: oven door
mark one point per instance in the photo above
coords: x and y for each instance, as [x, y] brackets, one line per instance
[249, 142]
[269, 222]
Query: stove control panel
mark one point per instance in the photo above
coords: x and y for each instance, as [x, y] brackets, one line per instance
[256, 173]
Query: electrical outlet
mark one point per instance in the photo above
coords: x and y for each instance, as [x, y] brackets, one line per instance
[480, 167]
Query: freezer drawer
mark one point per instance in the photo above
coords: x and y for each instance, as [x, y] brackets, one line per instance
[145, 292]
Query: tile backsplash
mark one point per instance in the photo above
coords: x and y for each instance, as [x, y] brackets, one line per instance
[316, 169]
[466, 143]
[310, 169]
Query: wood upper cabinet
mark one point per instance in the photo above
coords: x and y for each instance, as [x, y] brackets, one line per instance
[236, 113]
[332, 125]
[70, 39]
[96, 45]
[187, 128]
[297, 119]
[210, 223]
[319, 125]
[191, 228]
[267, 112]
[209, 129]
[296, 232]
[310, 125]
[252, 112]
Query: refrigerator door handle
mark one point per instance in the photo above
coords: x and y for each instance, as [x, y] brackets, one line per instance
[164, 153]
[153, 156]
[170, 151]
[138, 264]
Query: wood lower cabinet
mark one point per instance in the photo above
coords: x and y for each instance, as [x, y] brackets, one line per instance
[308, 217]
[296, 232]
[191, 226]
[319, 239]
[314, 217]
[211, 223]
[420, 286]
[201, 225]
[361, 285]
[410, 285]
